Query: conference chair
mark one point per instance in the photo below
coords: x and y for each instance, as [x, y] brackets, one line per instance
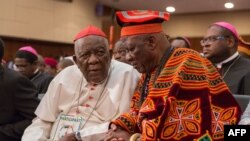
[243, 101]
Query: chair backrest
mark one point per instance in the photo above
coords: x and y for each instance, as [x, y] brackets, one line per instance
[243, 100]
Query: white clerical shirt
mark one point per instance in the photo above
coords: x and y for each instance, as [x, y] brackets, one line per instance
[69, 93]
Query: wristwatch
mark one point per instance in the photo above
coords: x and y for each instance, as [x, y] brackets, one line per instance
[78, 136]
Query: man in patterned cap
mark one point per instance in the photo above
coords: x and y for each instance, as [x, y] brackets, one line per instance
[180, 94]
[83, 99]
[220, 46]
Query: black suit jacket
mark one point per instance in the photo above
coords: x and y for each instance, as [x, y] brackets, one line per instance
[237, 75]
[18, 102]
[41, 81]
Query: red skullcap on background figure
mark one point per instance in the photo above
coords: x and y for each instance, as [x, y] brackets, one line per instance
[50, 61]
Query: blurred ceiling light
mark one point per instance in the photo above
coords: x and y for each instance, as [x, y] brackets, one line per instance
[170, 9]
[229, 5]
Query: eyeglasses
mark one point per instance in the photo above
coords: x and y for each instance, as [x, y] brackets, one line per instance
[210, 39]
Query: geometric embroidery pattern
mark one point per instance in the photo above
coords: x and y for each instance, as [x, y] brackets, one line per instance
[221, 117]
[184, 119]
[162, 84]
[215, 81]
[172, 109]
[205, 137]
[181, 52]
[197, 77]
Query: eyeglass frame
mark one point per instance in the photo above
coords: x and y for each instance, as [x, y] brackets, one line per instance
[211, 39]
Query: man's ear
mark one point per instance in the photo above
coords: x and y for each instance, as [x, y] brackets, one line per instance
[231, 42]
[152, 42]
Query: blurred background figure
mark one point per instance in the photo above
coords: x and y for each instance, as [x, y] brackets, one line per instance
[26, 62]
[119, 52]
[220, 46]
[244, 48]
[181, 42]
[63, 64]
[17, 102]
[50, 66]
[41, 63]
[3, 62]
[10, 64]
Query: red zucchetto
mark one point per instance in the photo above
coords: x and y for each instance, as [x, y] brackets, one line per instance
[90, 30]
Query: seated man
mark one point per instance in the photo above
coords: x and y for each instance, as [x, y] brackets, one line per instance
[181, 42]
[17, 102]
[83, 99]
[26, 61]
[220, 46]
[180, 95]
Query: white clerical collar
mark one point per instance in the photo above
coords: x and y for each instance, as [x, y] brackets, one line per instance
[219, 65]
[36, 71]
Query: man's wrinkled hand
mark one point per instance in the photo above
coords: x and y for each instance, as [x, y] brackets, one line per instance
[69, 137]
[115, 133]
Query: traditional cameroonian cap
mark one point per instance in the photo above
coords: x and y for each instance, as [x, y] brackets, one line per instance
[244, 46]
[50, 61]
[229, 27]
[141, 21]
[90, 30]
[29, 49]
